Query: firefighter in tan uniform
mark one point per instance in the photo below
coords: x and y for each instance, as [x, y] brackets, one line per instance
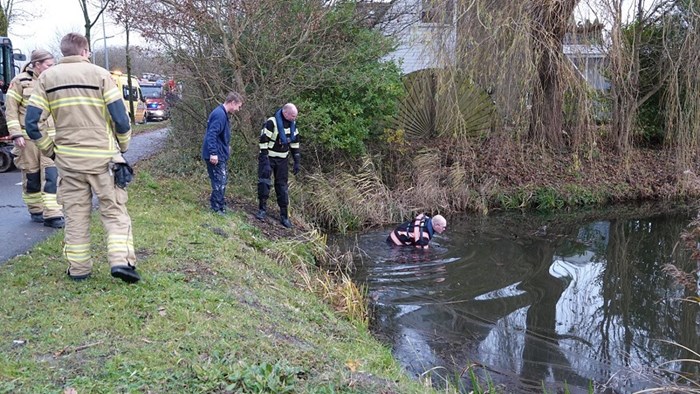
[39, 174]
[92, 130]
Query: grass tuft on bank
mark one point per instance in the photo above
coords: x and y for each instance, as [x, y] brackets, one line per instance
[221, 308]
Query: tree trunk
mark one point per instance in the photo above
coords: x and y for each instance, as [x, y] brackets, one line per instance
[549, 24]
[4, 22]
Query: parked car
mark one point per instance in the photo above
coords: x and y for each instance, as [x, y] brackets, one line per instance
[157, 108]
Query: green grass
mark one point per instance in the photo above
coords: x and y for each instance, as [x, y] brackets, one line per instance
[216, 311]
[150, 126]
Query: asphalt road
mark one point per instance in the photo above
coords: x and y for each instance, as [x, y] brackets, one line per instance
[18, 234]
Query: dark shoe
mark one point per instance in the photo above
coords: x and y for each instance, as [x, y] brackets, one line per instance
[77, 278]
[57, 222]
[221, 212]
[37, 217]
[261, 214]
[286, 223]
[126, 273]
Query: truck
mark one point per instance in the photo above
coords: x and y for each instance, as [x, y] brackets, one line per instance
[8, 70]
[157, 108]
[136, 96]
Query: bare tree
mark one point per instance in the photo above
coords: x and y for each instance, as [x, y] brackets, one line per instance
[86, 6]
[550, 19]
[14, 11]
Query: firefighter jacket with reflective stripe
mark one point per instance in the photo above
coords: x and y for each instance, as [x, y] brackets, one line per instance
[17, 98]
[85, 104]
[270, 139]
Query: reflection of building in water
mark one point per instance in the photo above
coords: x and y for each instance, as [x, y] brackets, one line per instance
[535, 310]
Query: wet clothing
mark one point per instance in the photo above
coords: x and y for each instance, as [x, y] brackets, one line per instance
[417, 232]
[92, 130]
[217, 140]
[39, 173]
[218, 179]
[273, 160]
[218, 135]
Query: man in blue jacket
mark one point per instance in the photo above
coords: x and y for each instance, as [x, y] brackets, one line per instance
[216, 146]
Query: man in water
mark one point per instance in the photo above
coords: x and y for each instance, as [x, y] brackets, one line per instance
[417, 232]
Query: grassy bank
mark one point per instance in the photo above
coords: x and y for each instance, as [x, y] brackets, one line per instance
[221, 308]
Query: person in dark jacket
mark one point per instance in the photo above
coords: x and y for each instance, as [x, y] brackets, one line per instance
[417, 232]
[216, 147]
[279, 138]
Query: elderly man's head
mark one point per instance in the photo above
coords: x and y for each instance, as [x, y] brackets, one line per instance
[439, 223]
[289, 111]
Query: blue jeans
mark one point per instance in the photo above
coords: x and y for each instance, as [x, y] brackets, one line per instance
[217, 176]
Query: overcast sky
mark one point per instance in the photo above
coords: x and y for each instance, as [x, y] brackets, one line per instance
[55, 18]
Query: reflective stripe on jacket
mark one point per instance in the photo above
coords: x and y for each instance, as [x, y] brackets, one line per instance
[18, 94]
[270, 141]
[76, 93]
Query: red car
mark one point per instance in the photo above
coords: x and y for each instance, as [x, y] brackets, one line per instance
[157, 108]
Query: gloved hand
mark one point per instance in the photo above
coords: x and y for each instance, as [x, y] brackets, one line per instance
[264, 169]
[297, 159]
[123, 174]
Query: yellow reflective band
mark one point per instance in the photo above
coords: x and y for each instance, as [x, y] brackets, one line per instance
[51, 133]
[84, 152]
[39, 102]
[44, 142]
[31, 198]
[267, 133]
[111, 95]
[49, 200]
[78, 100]
[13, 123]
[294, 145]
[18, 97]
[122, 138]
[77, 247]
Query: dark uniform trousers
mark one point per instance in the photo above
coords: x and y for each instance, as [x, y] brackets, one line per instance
[280, 170]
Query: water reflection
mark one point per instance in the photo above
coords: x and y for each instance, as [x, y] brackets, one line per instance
[529, 304]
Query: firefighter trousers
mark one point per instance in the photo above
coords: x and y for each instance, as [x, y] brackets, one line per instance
[75, 193]
[39, 180]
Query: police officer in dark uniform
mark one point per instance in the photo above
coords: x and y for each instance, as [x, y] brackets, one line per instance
[279, 137]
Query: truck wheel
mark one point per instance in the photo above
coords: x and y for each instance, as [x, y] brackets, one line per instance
[6, 163]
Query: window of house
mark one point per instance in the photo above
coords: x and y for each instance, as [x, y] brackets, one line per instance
[437, 11]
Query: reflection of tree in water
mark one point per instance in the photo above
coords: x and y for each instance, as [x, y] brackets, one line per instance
[640, 302]
[541, 350]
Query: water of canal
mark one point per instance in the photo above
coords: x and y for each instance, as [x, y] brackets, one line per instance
[531, 302]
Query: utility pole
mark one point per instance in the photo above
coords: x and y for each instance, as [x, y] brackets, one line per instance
[104, 34]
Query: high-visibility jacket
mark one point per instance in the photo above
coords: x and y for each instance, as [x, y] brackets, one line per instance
[270, 143]
[417, 232]
[17, 99]
[90, 117]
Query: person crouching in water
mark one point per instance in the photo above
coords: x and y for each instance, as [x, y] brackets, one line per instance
[417, 232]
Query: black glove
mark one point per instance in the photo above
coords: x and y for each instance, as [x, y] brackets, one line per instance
[264, 169]
[297, 159]
[123, 174]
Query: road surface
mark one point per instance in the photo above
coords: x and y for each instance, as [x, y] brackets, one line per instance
[18, 234]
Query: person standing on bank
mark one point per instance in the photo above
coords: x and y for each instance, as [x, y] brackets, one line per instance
[279, 137]
[92, 132]
[417, 232]
[41, 201]
[216, 149]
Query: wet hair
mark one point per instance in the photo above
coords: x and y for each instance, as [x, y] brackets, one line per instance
[439, 220]
[73, 44]
[234, 97]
